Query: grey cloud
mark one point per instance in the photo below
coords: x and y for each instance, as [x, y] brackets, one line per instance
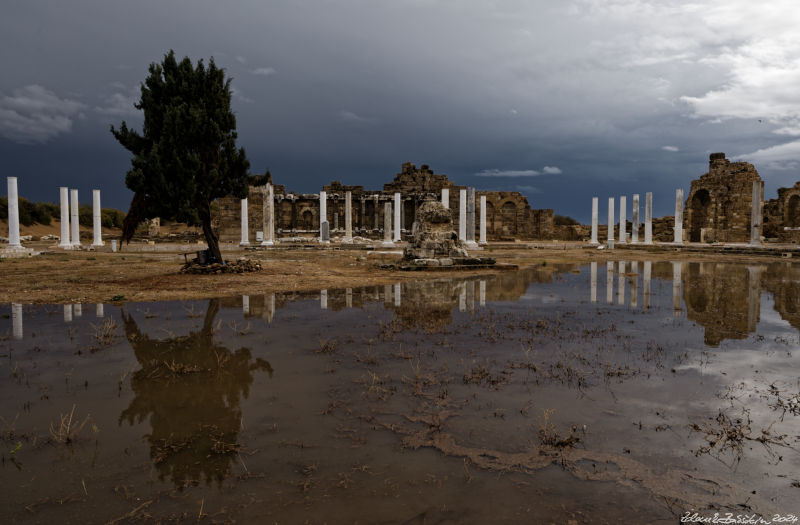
[263, 71]
[508, 173]
[35, 114]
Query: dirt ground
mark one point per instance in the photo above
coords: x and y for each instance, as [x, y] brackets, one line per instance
[58, 276]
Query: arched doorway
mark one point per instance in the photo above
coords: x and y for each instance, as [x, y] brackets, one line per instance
[308, 220]
[793, 212]
[701, 202]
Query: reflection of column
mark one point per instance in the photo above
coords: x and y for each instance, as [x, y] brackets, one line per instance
[12, 202]
[387, 294]
[755, 215]
[397, 294]
[635, 226]
[621, 285]
[387, 224]
[482, 239]
[610, 282]
[753, 295]
[245, 241]
[73, 212]
[98, 310]
[470, 299]
[64, 243]
[348, 297]
[245, 305]
[323, 299]
[348, 217]
[77, 310]
[16, 320]
[269, 307]
[482, 292]
[462, 298]
[397, 209]
[648, 218]
[646, 281]
[462, 215]
[593, 281]
[446, 197]
[67, 313]
[594, 220]
[96, 219]
[623, 219]
[268, 219]
[610, 221]
[635, 284]
[677, 267]
[678, 216]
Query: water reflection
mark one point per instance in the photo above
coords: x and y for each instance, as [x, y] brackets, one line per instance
[190, 387]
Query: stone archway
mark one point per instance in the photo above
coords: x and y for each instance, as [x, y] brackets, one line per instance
[793, 212]
[308, 220]
[700, 208]
[509, 216]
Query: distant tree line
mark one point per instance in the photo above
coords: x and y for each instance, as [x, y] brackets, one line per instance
[44, 212]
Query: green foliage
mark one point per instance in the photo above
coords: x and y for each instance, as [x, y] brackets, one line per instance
[563, 220]
[85, 215]
[111, 218]
[186, 155]
[44, 212]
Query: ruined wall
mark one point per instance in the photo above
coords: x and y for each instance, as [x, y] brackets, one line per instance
[782, 215]
[719, 204]
[509, 216]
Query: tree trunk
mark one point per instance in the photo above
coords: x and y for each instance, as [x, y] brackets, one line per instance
[211, 238]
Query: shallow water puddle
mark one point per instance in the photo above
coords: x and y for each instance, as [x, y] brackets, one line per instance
[630, 391]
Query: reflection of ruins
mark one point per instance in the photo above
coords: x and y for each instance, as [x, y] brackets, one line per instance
[190, 387]
[783, 281]
[508, 214]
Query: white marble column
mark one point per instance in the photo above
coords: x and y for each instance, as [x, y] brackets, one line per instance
[646, 282]
[678, 217]
[635, 231]
[397, 209]
[648, 218]
[348, 217]
[97, 225]
[471, 217]
[64, 243]
[74, 218]
[610, 282]
[387, 224]
[268, 215]
[16, 320]
[593, 282]
[482, 239]
[244, 225]
[594, 221]
[13, 214]
[623, 219]
[462, 215]
[677, 268]
[446, 197]
[756, 215]
[323, 215]
[610, 222]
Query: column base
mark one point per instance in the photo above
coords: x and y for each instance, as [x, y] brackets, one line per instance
[98, 244]
[15, 251]
[387, 243]
[65, 246]
[244, 243]
[267, 243]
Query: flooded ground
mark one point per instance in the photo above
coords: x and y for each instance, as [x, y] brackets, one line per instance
[627, 391]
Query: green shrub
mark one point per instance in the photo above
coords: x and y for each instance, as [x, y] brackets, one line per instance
[563, 220]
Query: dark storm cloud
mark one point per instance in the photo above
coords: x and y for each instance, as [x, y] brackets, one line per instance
[596, 97]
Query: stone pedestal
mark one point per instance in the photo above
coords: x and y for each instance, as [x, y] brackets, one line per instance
[245, 241]
[348, 217]
[482, 239]
[623, 219]
[97, 226]
[594, 221]
[678, 217]
[268, 215]
[648, 218]
[635, 232]
[446, 197]
[64, 243]
[462, 215]
[74, 218]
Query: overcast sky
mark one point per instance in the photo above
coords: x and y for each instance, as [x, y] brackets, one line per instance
[559, 99]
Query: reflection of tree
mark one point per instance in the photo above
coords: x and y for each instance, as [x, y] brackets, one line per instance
[190, 388]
